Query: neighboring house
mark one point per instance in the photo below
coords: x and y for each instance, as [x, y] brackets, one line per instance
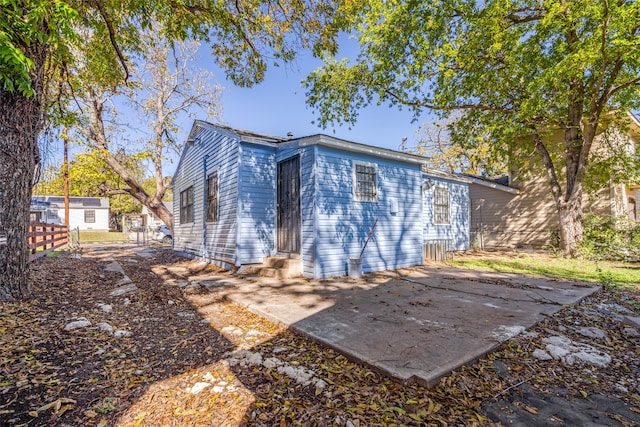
[149, 219]
[240, 197]
[85, 213]
[519, 211]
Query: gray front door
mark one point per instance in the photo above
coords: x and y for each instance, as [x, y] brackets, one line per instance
[289, 220]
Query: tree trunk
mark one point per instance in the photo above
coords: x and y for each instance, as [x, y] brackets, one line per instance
[568, 203]
[164, 214]
[571, 228]
[20, 124]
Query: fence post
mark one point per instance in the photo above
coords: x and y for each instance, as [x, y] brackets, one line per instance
[33, 229]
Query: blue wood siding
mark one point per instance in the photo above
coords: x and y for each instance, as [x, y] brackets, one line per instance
[307, 195]
[457, 231]
[257, 203]
[342, 224]
[221, 149]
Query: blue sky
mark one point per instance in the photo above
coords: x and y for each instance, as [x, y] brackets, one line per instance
[277, 106]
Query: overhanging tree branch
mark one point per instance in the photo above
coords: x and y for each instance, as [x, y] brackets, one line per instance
[112, 36]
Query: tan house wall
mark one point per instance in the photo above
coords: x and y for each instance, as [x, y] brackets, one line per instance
[502, 219]
[529, 218]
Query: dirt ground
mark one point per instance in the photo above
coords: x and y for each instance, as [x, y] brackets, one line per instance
[173, 354]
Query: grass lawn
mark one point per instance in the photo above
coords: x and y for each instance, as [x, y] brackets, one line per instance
[89, 236]
[540, 264]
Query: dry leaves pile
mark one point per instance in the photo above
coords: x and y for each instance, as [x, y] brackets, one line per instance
[195, 359]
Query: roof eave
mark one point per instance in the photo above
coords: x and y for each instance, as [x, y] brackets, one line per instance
[493, 185]
[355, 147]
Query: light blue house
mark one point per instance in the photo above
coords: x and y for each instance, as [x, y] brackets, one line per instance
[240, 197]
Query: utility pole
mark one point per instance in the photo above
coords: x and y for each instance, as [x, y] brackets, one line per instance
[65, 177]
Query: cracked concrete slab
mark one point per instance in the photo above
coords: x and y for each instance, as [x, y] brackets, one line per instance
[417, 325]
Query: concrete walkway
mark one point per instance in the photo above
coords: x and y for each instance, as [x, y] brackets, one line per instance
[416, 324]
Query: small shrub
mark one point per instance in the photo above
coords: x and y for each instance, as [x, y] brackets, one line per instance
[606, 239]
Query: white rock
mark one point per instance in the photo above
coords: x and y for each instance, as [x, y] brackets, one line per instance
[107, 308]
[254, 333]
[632, 321]
[77, 324]
[255, 359]
[171, 302]
[122, 334]
[630, 332]
[185, 314]
[123, 290]
[621, 388]
[289, 371]
[272, 362]
[218, 389]
[127, 301]
[299, 375]
[504, 332]
[591, 332]
[105, 327]
[613, 307]
[231, 330]
[208, 377]
[560, 347]
[197, 388]
[541, 354]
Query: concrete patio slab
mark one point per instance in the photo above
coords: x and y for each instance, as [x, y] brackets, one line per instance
[416, 324]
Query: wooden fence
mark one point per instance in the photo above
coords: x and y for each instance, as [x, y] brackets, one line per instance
[46, 236]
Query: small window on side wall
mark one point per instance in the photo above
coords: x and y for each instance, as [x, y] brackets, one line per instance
[441, 206]
[89, 216]
[365, 182]
[186, 205]
[212, 197]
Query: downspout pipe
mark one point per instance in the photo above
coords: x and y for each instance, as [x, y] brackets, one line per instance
[204, 207]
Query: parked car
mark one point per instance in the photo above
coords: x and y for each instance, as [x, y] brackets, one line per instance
[162, 233]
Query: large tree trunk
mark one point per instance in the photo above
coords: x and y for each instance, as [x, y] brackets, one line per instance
[569, 202]
[20, 124]
[571, 228]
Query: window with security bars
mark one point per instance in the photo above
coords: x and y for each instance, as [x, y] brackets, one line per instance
[366, 183]
[89, 216]
[186, 206]
[212, 197]
[441, 206]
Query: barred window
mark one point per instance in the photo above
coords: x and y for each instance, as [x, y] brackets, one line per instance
[441, 204]
[186, 206]
[89, 216]
[212, 197]
[366, 188]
